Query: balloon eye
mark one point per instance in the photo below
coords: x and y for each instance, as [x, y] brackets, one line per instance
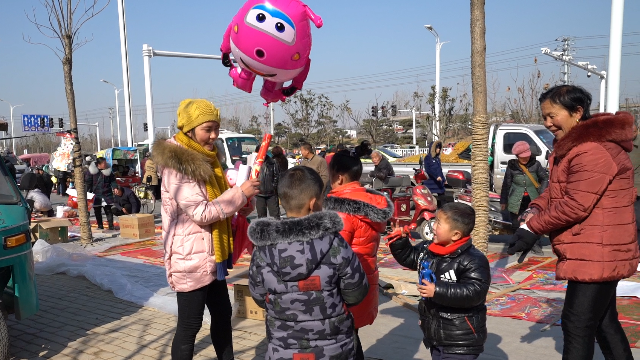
[261, 18]
[280, 27]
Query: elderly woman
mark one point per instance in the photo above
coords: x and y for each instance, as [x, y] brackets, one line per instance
[588, 213]
[383, 168]
[524, 180]
[197, 206]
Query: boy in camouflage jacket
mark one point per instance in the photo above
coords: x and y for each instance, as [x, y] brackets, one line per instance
[305, 275]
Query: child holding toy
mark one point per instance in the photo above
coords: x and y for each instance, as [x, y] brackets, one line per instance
[453, 316]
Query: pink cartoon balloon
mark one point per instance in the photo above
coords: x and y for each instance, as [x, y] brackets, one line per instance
[232, 176]
[271, 39]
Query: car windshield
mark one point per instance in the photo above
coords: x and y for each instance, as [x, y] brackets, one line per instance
[8, 189]
[241, 147]
[546, 136]
[389, 153]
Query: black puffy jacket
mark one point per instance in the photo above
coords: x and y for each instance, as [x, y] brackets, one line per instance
[269, 177]
[455, 318]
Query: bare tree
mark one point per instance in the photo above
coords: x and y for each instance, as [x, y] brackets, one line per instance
[63, 22]
[480, 128]
[522, 100]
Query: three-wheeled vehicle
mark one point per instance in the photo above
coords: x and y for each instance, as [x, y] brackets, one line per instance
[17, 273]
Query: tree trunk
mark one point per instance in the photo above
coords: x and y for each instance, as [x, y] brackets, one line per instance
[480, 128]
[83, 212]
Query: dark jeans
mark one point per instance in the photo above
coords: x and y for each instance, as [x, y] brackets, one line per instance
[524, 205]
[61, 186]
[359, 352]
[97, 210]
[437, 354]
[268, 202]
[590, 314]
[117, 211]
[190, 312]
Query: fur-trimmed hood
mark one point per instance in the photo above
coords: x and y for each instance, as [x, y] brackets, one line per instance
[169, 154]
[377, 207]
[93, 170]
[295, 247]
[432, 148]
[600, 128]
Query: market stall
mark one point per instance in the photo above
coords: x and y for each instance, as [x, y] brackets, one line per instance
[121, 158]
[35, 159]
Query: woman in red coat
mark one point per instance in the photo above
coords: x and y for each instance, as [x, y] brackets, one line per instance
[364, 213]
[588, 213]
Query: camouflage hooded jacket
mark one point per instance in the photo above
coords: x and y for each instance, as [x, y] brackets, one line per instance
[305, 274]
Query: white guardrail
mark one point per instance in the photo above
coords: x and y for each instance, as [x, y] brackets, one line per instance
[409, 152]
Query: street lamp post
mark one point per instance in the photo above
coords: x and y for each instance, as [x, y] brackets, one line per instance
[97, 125]
[436, 126]
[13, 136]
[115, 88]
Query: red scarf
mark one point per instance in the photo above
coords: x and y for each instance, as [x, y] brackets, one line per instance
[450, 249]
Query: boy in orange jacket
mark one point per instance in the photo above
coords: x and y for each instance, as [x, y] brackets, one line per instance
[365, 213]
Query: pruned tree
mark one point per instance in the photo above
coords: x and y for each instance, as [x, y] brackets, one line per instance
[480, 127]
[63, 22]
[306, 111]
[447, 108]
[521, 99]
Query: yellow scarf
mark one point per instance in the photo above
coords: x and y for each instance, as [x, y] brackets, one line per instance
[221, 232]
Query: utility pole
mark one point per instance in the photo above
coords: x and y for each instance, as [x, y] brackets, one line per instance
[567, 55]
[113, 140]
[6, 134]
[615, 56]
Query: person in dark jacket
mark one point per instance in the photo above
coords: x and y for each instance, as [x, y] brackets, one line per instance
[44, 182]
[125, 202]
[452, 312]
[433, 168]
[383, 169]
[280, 158]
[305, 275]
[267, 199]
[362, 150]
[518, 189]
[100, 181]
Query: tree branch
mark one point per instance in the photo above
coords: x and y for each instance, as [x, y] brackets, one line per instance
[28, 40]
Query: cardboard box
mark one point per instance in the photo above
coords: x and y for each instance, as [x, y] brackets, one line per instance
[51, 230]
[247, 308]
[137, 226]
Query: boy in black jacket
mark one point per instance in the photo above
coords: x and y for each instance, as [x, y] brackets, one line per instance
[452, 310]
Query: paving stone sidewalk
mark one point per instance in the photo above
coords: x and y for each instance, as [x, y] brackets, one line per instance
[78, 320]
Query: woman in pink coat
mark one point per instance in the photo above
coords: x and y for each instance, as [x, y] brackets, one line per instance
[197, 206]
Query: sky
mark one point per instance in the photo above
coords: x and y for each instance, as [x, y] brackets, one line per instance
[365, 51]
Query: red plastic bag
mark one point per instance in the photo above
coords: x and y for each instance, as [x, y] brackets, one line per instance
[241, 241]
[73, 203]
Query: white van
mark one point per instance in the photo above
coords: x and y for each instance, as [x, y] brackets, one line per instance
[237, 146]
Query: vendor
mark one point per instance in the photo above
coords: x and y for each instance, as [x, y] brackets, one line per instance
[125, 201]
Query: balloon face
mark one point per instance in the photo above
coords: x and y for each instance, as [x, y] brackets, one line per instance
[272, 38]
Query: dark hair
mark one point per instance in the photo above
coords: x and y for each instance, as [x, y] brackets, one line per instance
[277, 151]
[258, 148]
[100, 161]
[365, 144]
[297, 186]
[570, 97]
[460, 217]
[346, 165]
[341, 147]
[306, 146]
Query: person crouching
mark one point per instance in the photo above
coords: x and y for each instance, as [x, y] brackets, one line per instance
[125, 201]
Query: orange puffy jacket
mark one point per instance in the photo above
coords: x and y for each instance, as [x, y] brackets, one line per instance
[365, 213]
[587, 210]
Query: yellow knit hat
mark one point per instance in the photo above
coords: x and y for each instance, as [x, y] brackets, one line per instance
[195, 112]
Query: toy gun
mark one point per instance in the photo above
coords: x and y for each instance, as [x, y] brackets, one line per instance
[426, 273]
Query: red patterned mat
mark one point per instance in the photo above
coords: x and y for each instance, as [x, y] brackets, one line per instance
[115, 250]
[535, 261]
[523, 307]
[545, 280]
[152, 256]
[493, 257]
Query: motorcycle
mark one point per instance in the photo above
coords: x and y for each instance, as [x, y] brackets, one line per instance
[495, 214]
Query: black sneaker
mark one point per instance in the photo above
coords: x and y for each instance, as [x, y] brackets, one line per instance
[537, 250]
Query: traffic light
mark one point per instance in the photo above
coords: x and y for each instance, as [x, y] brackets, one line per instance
[42, 124]
[60, 123]
[394, 110]
[384, 111]
[146, 127]
[374, 111]
[50, 123]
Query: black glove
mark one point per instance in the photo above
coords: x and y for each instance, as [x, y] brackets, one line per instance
[523, 240]
[226, 60]
[288, 91]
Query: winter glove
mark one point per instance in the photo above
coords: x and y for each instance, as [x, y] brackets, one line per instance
[288, 91]
[523, 240]
[226, 60]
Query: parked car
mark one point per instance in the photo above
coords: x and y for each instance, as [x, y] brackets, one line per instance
[237, 146]
[390, 146]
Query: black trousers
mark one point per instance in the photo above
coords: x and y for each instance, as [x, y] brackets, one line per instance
[190, 312]
[117, 211]
[359, 352]
[268, 202]
[590, 314]
[437, 354]
[97, 210]
[524, 205]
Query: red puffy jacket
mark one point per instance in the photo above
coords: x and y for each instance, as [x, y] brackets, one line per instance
[587, 209]
[365, 213]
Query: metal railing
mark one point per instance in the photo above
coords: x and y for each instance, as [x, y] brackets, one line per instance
[409, 152]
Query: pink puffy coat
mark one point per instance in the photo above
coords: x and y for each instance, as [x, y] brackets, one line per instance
[187, 215]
